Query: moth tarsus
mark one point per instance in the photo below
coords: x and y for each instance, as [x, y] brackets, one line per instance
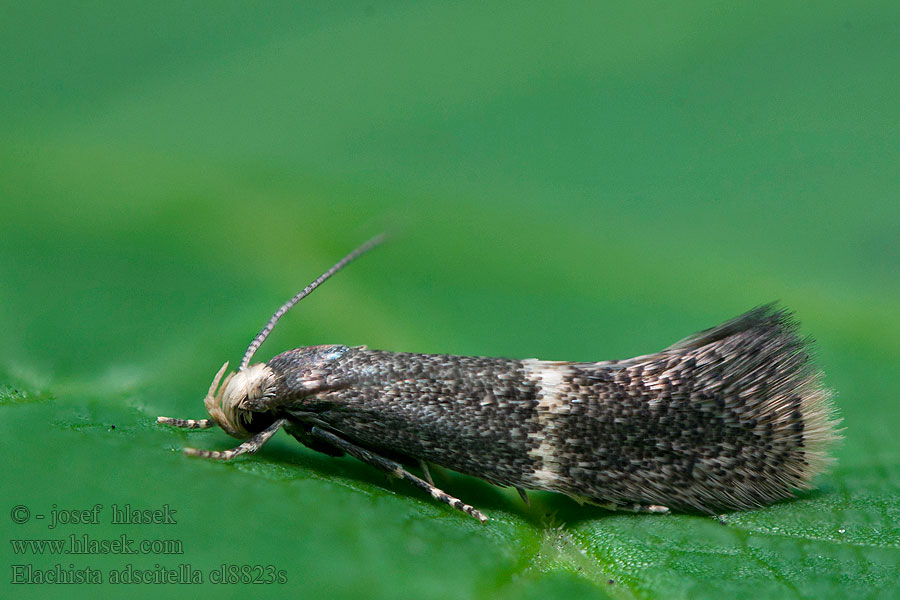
[733, 417]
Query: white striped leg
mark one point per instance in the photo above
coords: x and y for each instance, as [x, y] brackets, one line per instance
[637, 508]
[248, 447]
[186, 423]
[199, 423]
[395, 469]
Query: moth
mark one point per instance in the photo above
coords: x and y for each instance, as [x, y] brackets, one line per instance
[733, 417]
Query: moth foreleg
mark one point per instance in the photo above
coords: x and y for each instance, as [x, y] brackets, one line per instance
[393, 468]
[187, 423]
[248, 447]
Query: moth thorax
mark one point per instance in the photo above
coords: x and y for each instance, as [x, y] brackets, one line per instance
[227, 406]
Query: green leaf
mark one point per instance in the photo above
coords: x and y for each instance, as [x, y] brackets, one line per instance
[576, 182]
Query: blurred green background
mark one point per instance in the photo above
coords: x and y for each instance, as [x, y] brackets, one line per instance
[577, 181]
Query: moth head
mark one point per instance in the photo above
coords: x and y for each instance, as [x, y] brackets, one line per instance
[232, 406]
[228, 405]
[240, 405]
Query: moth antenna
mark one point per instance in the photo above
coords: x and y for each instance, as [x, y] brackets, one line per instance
[264, 333]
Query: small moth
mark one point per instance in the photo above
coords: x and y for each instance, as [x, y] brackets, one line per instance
[733, 417]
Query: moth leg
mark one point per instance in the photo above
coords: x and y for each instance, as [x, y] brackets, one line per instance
[524, 496]
[248, 447]
[623, 506]
[426, 471]
[393, 468]
[644, 508]
[199, 423]
[637, 508]
[301, 434]
[187, 423]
